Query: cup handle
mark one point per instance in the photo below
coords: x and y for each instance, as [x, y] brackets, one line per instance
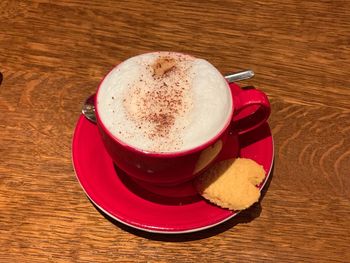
[251, 108]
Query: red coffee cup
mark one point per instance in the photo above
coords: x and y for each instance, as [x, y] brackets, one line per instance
[251, 108]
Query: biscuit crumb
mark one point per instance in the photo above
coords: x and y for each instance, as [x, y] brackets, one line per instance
[232, 183]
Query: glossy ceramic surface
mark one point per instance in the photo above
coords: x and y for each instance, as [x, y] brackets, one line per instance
[147, 207]
[251, 108]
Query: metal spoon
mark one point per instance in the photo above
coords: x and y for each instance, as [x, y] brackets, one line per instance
[240, 75]
[89, 106]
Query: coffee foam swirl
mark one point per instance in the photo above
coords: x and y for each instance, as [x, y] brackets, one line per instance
[164, 102]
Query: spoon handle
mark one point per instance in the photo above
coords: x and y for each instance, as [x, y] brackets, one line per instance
[241, 75]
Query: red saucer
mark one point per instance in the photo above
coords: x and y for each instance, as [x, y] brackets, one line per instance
[152, 209]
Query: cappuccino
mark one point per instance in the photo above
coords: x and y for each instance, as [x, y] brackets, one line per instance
[164, 102]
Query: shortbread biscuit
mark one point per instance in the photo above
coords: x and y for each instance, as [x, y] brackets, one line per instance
[232, 183]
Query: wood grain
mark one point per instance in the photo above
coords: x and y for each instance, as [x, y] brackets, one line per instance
[52, 56]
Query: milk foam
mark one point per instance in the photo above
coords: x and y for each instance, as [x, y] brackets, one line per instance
[179, 110]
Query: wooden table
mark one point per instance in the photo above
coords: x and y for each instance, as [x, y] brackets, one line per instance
[52, 56]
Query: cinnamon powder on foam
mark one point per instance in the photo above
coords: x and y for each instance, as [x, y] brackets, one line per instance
[160, 97]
